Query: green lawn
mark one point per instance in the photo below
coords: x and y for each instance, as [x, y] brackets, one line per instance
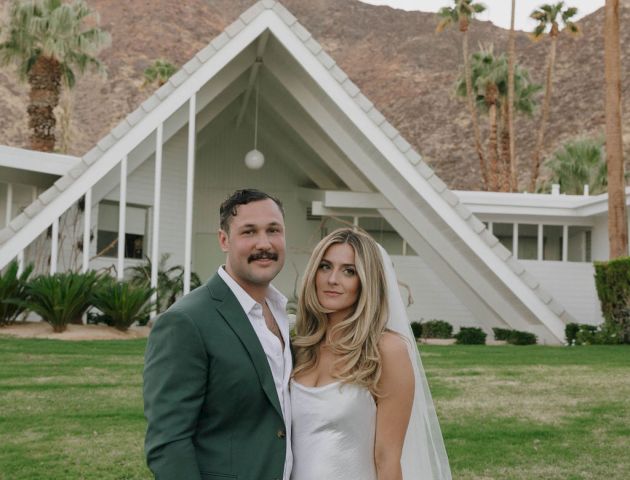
[73, 410]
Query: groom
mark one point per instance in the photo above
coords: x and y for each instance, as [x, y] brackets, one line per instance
[217, 363]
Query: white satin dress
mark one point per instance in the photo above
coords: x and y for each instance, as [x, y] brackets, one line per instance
[333, 429]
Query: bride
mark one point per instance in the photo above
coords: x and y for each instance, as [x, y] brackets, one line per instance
[361, 405]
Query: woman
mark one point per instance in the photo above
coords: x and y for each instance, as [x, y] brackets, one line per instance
[357, 380]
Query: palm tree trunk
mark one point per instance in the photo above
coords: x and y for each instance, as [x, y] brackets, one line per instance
[617, 217]
[510, 108]
[505, 184]
[493, 160]
[473, 112]
[44, 79]
[545, 112]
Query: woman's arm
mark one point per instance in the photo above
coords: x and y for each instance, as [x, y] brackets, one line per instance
[394, 406]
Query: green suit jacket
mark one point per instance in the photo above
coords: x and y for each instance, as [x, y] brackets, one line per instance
[209, 397]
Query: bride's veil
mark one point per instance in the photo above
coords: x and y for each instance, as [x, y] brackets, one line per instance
[424, 456]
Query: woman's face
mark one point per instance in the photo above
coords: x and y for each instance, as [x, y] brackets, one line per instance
[337, 282]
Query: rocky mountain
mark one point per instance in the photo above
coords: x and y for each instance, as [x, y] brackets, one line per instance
[394, 56]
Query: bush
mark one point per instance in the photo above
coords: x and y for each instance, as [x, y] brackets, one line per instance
[471, 336]
[502, 333]
[170, 280]
[570, 332]
[12, 293]
[416, 328]
[62, 298]
[516, 337]
[437, 329]
[594, 335]
[121, 303]
[612, 280]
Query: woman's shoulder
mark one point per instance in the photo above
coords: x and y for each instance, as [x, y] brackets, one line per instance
[391, 345]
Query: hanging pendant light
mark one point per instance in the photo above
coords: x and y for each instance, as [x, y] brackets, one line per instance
[254, 158]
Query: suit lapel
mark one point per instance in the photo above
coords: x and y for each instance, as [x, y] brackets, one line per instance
[232, 312]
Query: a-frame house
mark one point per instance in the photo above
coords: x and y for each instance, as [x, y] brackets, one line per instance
[329, 152]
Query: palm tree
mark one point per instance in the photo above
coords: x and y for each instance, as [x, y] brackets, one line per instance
[489, 77]
[549, 17]
[46, 40]
[461, 14]
[159, 72]
[510, 102]
[617, 217]
[577, 163]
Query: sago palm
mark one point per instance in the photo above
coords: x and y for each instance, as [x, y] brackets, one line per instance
[460, 14]
[12, 292]
[48, 40]
[62, 298]
[122, 303]
[550, 17]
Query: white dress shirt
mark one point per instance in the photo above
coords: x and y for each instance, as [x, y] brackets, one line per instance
[279, 359]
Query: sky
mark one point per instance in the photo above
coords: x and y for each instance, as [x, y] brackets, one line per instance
[498, 11]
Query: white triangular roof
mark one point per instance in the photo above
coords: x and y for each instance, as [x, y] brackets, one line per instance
[426, 213]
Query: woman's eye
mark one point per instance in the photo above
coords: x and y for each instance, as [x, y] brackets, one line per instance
[350, 272]
[324, 266]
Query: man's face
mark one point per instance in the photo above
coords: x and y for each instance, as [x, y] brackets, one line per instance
[255, 244]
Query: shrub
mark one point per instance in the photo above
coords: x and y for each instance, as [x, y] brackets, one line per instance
[437, 329]
[612, 280]
[596, 335]
[471, 336]
[516, 337]
[12, 293]
[502, 333]
[122, 303]
[61, 298]
[416, 328]
[570, 332]
[170, 280]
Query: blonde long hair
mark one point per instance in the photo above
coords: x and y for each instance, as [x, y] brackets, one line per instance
[355, 339]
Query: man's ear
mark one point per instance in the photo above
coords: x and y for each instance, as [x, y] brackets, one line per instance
[224, 241]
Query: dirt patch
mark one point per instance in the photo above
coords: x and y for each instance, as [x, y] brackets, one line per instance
[73, 332]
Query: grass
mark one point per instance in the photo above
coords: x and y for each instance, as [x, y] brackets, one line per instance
[73, 410]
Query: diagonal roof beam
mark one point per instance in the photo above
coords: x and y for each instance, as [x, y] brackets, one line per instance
[253, 75]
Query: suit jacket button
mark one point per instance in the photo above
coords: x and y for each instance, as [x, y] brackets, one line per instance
[281, 434]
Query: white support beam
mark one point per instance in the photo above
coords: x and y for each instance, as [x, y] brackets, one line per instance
[54, 246]
[9, 205]
[155, 235]
[190, 190]
[253, 75]
[87, 221]
[565, 243]
[515, 240]
[540, 245]
[122, 219]
[20, 260]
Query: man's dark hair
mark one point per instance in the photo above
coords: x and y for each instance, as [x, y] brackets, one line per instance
[242, 197]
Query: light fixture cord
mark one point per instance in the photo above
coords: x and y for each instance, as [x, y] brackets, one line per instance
[256, 121]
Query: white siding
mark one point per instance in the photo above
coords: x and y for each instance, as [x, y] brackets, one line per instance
[432, 299]
[572, 284]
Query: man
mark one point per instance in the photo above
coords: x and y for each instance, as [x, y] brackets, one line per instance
[218, 363]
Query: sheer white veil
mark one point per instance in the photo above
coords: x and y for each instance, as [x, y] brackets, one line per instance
[424, 456]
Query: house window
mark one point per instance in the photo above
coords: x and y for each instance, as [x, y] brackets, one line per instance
[504, 233]
[579, 248]
[552, 242]
[527, 241]
[135, 230]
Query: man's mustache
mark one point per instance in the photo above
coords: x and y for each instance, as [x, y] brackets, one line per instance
[262, 256]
